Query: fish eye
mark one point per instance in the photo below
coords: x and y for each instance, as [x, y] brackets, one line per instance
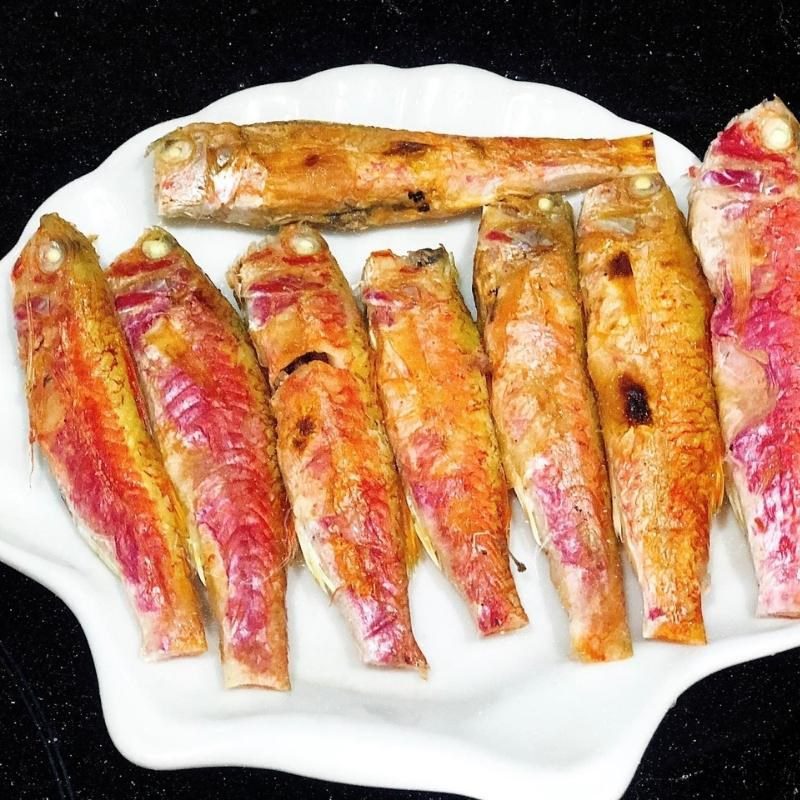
[776, 133]
[305, 244]
[175, 150]
[52, 256]
[156, 247]
[645, 185]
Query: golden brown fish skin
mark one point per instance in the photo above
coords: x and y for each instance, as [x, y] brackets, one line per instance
[352, 177]
[86, 416]
[430, 373]
[526, 290]
[209, 411]
[650, 360]
[349, 512]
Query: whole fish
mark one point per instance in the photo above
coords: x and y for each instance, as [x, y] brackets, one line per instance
[525, 283]
[353, 177]
[650, 360]
[745, 225]
[210, 415]
[430, 372]
[348, 507]
[86, 416]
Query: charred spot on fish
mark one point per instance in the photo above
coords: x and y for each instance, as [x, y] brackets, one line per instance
[425, 257]
[305, 427]
[306, 358]
[423, 207]
[634, 400]
[417, 196]
[312, 160]
[620, 266]
[404, 147]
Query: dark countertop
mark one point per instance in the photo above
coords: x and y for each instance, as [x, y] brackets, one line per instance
[76, 80]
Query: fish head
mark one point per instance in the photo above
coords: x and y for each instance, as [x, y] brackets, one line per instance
[757, 153]
[614, 210]
[204, 168]
[50, 258]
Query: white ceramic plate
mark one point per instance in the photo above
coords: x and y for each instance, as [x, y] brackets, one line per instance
[502, 719]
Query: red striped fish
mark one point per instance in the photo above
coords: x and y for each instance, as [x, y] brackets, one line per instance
[349, 511]
[210, 414]
[86, 417]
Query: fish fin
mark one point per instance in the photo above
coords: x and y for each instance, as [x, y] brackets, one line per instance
[313, 562]
[418, 533]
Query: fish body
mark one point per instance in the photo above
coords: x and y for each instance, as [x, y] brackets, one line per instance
[353, 177]
[86, 416]
[430, 375]
[346, 498]
[210, 413]
[526, 290]
[745, 225]
[649, 355]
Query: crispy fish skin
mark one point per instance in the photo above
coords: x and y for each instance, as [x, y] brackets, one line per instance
[649, 358]
[525, 283]
[433, 392]
[348, 507]
[745, 225]
[353, 177]
[210, 414]
[85, 415]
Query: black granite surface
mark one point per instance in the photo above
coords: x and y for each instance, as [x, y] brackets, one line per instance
[76, 80]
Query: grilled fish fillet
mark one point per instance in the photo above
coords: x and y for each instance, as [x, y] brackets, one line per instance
[650, 360]
[210, 414]
[86, 416]
[352, 177]
[745, 225]
[430, 371]
[526, 290]
[349, 511]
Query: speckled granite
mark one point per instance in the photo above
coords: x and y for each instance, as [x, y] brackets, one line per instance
[78, 79]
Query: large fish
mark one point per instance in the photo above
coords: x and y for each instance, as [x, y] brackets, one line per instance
[430, 372]
[348, 506]
[526, 290]
[351, 177]
[210, 414]
[650, 360]
[745, 225]
[86, 416]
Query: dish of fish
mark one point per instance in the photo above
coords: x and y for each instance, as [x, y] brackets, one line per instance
[208, 415]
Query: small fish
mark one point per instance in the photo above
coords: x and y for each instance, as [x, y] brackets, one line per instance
[210, 414]
[648, 312]
[86, 416]
[430, 372]
[353, 177]
[349, 512]
[745, 225]
[525, 283]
